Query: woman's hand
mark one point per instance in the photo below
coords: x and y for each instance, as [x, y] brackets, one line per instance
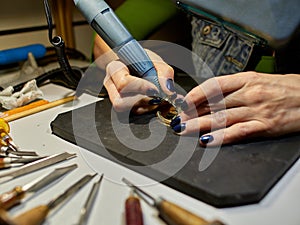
[237, 107]
[128, 92]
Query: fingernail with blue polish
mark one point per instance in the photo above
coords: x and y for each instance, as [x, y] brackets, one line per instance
[173, 96]
[170, 85]
[152, 92]
[179, 128]
[154, 101]
[206, 139]
[175, 121]
[184, 106]
[180, 102]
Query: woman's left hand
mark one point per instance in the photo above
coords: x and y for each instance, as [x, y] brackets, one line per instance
[236, 107]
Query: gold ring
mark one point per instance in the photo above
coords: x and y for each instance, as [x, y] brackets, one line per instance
[166, 112]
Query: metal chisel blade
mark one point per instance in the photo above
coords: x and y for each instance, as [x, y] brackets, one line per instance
[21, 153]
[43, 181]
[16, 195]
[39, 164]
[86, 209]
[70, 191]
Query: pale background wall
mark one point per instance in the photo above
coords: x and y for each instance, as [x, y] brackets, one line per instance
[25, 13]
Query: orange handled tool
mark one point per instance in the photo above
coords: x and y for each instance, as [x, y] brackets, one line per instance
[7, 146]
[23, 108]
[6, 140]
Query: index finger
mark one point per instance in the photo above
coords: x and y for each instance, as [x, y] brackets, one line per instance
[215, 88]
[164, 71]
[126, 83]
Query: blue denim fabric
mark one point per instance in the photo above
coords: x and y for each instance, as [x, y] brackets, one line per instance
[217, 50]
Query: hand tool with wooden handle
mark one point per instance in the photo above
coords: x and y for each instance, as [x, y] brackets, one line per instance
[8, 151]
[36, 165]
[171, 213]
[9, 162]
[86, 209]
[14, 197]
[37, 215]
[23, 108]
[133, 211]
[5, 218]
[6, 139]
[39, 108]
[7, 144]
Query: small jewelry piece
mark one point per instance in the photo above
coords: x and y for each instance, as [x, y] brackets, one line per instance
[166, 112]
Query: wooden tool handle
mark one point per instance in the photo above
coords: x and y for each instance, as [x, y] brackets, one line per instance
[39, 108]
[174, 215]
[11, 198]
[35, 216]
[23, 108]
[4, 126]
[133, 211]
[5, 218]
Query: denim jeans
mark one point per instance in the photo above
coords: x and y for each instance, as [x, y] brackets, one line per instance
[218, 50]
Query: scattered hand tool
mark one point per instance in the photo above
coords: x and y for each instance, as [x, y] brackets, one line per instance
[7, 145]
[7, 151]
[23, 108]
[9, 162]
[40, 108]
[86, 209]
[6, 140]
[5, 218]
[171, 213]
[38, 164]
[14, 197]
[133, 211]
[37, 215]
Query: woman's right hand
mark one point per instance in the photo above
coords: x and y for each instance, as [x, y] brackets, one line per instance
[128, 92]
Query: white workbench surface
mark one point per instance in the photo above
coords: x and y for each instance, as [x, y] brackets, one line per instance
[280, 206]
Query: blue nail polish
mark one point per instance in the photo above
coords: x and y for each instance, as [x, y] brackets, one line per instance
[154, 101]
[184, 106]
[175, 121]
[170, 85]
[181, 103]
[179, 128]
[206, 139]
[152, 92]
[173, 96]
[178, 101]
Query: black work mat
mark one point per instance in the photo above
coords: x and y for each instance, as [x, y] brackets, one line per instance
[238, 174]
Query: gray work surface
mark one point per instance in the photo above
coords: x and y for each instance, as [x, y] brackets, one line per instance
[238, 174]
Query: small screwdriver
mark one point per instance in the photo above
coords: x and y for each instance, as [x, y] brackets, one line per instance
[171, 213]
